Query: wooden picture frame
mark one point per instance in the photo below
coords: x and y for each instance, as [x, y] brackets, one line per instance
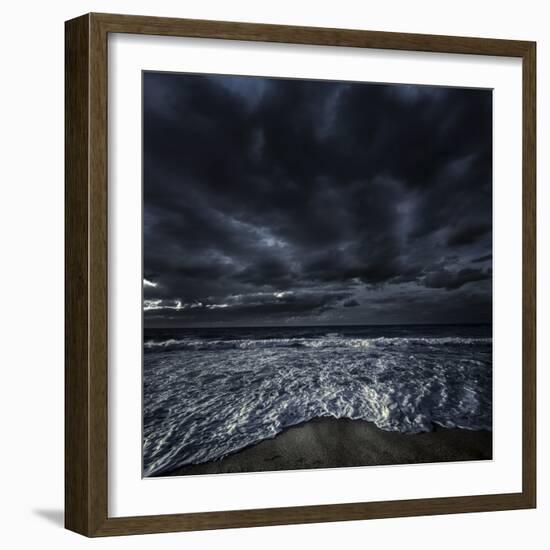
[86, 360]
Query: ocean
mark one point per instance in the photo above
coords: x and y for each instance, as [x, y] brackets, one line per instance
[209, 392]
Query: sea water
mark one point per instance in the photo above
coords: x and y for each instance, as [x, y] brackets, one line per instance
[209, 392]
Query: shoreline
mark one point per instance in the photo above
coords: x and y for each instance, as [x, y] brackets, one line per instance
[327, 442]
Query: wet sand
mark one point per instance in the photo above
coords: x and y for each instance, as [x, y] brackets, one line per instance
[335, 443]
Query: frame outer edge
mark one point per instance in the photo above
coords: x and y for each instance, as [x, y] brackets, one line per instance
[529, 276]
[265, 32]
[86, 365]
[98, 273]
[77, 384]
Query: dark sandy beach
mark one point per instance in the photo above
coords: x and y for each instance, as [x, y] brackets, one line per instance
[333, 443]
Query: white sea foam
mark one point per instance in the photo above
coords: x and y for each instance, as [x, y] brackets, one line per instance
[205, 399]
[331, 340]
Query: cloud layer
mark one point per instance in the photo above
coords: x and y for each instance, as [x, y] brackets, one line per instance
[272, 201]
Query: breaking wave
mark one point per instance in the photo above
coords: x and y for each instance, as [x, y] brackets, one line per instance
[205, 398]
[329, 341]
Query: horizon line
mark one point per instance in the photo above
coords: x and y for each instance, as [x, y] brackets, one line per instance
[320, 325]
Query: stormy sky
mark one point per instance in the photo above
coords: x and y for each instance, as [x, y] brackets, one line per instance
[277, 201]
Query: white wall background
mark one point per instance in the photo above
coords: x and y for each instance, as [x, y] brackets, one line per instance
[31, 273]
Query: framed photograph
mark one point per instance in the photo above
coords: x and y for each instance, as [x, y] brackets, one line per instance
[300, 275]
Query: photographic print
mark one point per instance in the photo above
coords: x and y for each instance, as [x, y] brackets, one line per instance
[317, 274]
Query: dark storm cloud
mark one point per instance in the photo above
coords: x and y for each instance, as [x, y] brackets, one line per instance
[270, 200]
[468, 234]
[451, 280]
[252, 306]
[483, 258]
[433, 306]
